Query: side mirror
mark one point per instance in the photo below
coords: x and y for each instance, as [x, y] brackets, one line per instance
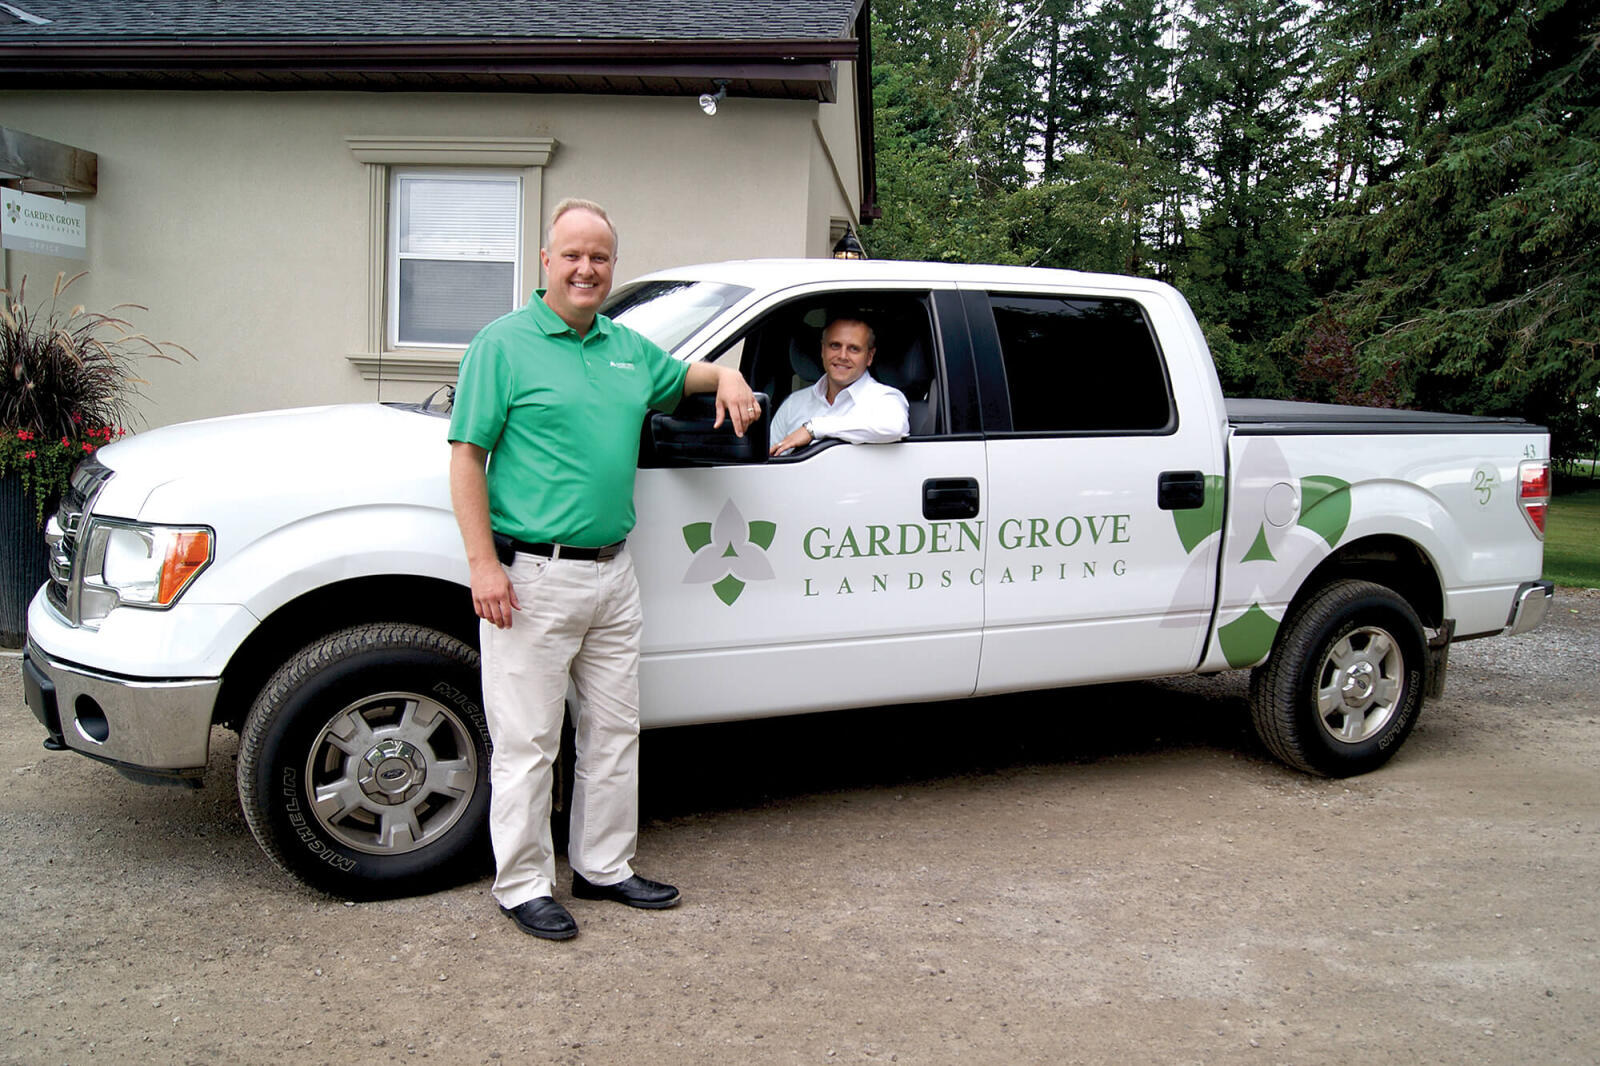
[686, 435]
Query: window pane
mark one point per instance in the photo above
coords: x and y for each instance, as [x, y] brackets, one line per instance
[1080, 364]
[448, 302]
[458, 217]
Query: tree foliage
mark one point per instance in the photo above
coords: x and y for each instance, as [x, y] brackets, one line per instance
[1470, 277]
[1380, 201]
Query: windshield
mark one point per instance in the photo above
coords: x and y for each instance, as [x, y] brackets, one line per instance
[670, 312]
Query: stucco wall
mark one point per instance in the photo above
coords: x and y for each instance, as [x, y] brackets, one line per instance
[836, 163]
[242, 219]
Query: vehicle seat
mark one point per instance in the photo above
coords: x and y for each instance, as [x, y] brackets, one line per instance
[805, 355]
[910, 369]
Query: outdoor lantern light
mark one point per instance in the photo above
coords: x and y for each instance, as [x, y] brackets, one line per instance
[709, 101]
[849, 247]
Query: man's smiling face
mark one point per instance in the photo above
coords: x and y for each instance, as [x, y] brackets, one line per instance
[846, 353]
[578, 264]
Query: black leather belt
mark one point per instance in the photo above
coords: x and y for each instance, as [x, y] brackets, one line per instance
[506, 546]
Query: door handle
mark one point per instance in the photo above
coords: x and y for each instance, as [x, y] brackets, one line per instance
[950, 497]
[1180, 490]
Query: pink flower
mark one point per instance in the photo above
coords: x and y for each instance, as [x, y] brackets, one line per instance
[30, 455]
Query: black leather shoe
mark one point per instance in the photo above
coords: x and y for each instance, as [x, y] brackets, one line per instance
[636, 891]
[542, 916]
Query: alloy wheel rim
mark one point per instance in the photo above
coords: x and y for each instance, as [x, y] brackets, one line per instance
[1360, 685]
[391, 773]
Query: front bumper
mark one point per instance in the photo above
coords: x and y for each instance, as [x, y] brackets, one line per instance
[151, 730]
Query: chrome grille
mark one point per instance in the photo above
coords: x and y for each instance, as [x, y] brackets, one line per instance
[62, 531]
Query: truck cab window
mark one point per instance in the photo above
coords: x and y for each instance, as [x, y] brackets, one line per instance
[1078, 364]
[781, 353]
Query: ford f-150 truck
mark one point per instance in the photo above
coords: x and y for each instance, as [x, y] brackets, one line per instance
[1076, 503]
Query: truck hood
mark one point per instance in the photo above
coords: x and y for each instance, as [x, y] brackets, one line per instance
[303, 459]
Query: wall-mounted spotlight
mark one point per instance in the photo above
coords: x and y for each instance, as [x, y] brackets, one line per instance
[849, 247]
[709, 101]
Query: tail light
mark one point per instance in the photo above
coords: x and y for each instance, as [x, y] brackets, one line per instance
[1534, 495]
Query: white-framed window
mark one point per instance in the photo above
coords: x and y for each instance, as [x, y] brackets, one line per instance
[454, 259]
[454, 157]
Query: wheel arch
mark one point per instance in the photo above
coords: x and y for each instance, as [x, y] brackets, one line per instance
[433, 602]
[1384, 559]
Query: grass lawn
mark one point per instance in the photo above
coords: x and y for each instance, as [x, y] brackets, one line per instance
[1572, 539]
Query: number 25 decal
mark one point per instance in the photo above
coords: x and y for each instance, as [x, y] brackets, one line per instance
[1483, 485]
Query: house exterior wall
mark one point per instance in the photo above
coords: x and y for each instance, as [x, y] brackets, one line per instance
[835, 165]
[245, 221]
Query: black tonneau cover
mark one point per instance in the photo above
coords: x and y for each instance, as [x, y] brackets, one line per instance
[1251, 417]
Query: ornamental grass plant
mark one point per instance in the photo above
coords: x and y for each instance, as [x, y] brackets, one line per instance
[68, 385]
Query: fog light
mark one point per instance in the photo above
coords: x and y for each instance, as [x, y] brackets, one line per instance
[91, 719]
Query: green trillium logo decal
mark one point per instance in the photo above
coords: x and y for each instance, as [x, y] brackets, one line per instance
[1324, 509]
[729, 553]
[1296, 520]
[13, 211]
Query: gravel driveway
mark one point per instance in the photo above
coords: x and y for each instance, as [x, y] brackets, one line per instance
[1113, 874]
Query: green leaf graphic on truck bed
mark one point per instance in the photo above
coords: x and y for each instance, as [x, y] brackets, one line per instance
[1259, 549]
[1325, 507]
[1196, 525]
[1248, 638]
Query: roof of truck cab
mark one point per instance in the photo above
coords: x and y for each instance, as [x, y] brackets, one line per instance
[772, 274]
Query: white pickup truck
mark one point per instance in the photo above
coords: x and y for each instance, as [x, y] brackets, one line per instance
[1076, 503]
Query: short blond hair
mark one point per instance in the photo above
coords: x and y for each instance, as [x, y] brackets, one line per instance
[574, 203]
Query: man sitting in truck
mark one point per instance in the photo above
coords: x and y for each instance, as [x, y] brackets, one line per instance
[846, 402]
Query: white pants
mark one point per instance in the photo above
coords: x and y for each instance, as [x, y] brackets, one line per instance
[580, 619]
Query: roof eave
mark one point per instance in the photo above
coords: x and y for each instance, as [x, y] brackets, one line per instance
[790, 69]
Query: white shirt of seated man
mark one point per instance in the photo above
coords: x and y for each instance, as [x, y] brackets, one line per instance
[846, 402]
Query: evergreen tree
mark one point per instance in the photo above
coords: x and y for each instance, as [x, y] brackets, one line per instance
[1469, 278]
[1141, 125]
[1362, 106]
[960, 99]
[1243, 82]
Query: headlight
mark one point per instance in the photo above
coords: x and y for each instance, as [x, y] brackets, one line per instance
[135, 565]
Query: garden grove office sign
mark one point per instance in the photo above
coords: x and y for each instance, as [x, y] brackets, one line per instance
[44, 225]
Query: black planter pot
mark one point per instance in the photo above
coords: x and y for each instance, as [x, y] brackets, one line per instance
[24, 563]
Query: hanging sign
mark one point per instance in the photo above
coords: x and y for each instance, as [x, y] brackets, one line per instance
[47, 225]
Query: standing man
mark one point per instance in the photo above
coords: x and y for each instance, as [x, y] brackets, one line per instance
[846, 401]
[553, 396]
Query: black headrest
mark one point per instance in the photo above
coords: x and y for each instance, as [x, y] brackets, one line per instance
[805, 352]
[907, 368]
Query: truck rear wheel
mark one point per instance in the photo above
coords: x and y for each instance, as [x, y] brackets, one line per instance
[1343, 686]
[364, 763]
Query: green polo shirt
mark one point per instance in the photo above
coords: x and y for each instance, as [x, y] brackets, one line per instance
[560, 415]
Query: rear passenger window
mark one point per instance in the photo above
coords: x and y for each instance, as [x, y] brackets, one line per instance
[1076, 364]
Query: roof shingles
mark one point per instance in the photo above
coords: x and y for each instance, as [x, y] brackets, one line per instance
[240, 20]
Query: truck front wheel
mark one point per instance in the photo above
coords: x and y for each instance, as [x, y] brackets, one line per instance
[364, 763]
[1343, 685]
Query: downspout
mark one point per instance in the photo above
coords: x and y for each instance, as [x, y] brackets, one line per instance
[870, 210]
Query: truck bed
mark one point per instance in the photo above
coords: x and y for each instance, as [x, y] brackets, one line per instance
[1254, 417]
